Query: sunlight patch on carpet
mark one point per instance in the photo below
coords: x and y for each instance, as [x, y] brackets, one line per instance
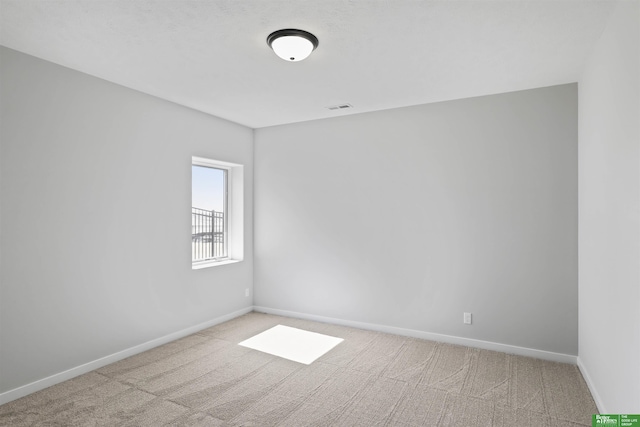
[291, 343]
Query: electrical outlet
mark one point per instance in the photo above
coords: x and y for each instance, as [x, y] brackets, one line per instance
[467, 318]
[246, 292]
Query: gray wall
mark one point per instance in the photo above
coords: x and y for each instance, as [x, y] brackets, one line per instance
[95, 219]
[410, 217]
[609, 127]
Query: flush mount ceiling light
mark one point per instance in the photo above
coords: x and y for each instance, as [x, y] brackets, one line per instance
[292, 45]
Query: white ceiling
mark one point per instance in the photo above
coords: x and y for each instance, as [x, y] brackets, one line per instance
[212, 55]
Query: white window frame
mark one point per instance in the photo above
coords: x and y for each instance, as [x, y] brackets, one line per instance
[234, 212]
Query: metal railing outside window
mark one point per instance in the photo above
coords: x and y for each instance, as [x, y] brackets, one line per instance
[208, 235]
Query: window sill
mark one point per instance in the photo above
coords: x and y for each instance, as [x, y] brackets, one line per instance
[207, 264]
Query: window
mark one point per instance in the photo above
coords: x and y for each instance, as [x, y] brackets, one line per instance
[208, 213]
[216, 202]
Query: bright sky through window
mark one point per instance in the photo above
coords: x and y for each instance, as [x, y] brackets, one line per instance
[207, 188]
[209, 238]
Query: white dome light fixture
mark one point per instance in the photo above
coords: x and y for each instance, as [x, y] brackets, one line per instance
[292, 45]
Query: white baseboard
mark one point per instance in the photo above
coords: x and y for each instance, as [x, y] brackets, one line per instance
[43, 383]
[592, 387]
[487, 345]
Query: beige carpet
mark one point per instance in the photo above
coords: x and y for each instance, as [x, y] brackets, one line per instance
[370, 379]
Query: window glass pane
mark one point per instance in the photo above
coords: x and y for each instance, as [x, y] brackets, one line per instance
[208, 213]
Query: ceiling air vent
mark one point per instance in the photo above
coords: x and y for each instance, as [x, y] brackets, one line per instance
[340, 107]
